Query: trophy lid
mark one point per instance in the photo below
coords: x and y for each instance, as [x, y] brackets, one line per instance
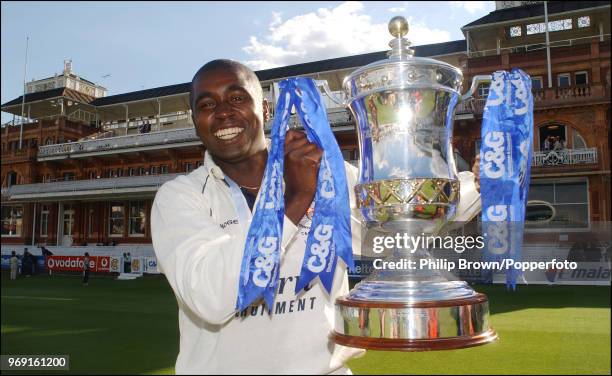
[402, 70]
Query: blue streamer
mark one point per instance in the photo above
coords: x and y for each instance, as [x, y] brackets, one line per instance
[330, 234]
[505, 164]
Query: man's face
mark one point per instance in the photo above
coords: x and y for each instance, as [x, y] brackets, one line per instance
[228, 114]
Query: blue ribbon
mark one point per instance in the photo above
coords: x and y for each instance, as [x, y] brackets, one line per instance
[505, 165]
[330, 234]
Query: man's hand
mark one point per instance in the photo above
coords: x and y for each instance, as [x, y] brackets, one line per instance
[476, 171]
[302, 160]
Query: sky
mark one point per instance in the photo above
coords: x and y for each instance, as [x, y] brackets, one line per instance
[129, 46]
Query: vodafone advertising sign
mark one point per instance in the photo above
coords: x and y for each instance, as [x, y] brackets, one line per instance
[100, 264]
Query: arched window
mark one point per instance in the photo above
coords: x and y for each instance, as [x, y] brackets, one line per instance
[49, 141]
[556, 136]
[578, 140]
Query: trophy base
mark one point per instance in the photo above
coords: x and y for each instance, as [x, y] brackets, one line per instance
[416, 326]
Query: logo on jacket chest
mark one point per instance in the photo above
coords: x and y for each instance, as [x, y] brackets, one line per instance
[229, 222]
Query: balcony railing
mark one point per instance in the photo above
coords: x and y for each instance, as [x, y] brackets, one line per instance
[578, 91]
[473, 106]
[129, 141]
[543, 97]
[564, 157]
[539, 46]
[84, 186]
[337, 117]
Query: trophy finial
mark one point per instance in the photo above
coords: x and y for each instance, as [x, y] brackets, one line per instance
[400, 46]
[398, 27]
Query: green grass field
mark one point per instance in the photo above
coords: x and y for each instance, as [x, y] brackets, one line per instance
[132, 327]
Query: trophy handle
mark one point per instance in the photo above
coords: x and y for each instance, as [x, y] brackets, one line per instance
[476, 80]
[323, 84]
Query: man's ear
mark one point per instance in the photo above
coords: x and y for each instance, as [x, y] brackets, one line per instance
[266, 110]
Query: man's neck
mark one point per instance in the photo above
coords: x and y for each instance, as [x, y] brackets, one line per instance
[248, 172]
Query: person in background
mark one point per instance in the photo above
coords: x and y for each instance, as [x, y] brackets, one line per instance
[26, 263]
[46, 253]
[129, 263]
[547, 144]
[86, 269]
[125, 263]
[576, 252]
[14, 263]
[33, 264]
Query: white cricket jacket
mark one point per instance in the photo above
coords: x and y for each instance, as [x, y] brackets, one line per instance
[198, 235]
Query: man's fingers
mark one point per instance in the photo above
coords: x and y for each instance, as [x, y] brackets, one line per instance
[299, 148]
[293, 134]
[295, 145]
[294, 140]
[314, 155]
[309, 152]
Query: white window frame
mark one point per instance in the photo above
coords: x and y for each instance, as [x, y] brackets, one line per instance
[562, 230]
[481, 89]
[110, 217]
[16, 234]
[144, 206]
[569, 77]
[539, 78]
[68, 217]
[577, 135]
[582, 72]
[44, 212]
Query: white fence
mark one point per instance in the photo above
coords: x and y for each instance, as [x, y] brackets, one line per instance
[129, 141]
[564, 157]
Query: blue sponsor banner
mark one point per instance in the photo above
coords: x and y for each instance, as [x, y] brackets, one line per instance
[363, 267]
[6, 262]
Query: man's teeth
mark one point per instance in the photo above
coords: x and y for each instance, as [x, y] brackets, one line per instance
[228, 134]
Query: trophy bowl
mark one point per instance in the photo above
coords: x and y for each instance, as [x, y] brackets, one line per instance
[408, 183]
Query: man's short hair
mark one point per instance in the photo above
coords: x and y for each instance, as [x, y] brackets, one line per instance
[228, 64]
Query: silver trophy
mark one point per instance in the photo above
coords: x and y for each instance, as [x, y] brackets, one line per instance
[408, 183]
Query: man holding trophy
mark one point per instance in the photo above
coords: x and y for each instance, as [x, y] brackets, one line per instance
[242, 253]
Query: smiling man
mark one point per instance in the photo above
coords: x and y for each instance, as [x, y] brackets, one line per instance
[199, 224]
